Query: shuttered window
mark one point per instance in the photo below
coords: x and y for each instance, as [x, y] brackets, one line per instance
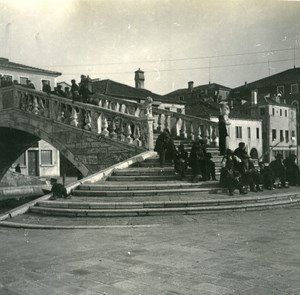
[46, 157]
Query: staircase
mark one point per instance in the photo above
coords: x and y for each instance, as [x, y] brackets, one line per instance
[147, 189]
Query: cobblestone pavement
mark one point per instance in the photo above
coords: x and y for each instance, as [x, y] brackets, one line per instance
[227, 253]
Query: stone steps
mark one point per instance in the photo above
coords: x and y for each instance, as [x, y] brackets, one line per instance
[110, 209]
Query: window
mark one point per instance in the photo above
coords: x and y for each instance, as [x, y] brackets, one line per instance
[21, 160]
[8, 77]
[46, 157]
[257, 133]
[294, 88]
[281, 136]
[280, 111]
[262, 111]
[46, 81]
[23, 80]
[181, 98]
[179, 111]
[249, 132]
[167, 109]
[286, 136]
[285, 113]
[273, 134]
[273, 111]
[280, 89]
[238, 132]
[293, 133]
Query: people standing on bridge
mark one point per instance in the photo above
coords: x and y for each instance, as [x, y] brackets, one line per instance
[58, 190]
[60, 91]
[83, 88]
[67, 93]
[46, 87]
[279, 169]
[18, 168]
[30, 85]
[74, 87]
[165, 147]
[292, 170]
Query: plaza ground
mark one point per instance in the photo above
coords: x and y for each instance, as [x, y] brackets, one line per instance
[227, 253]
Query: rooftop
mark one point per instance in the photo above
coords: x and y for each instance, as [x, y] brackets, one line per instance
[5, 63]
[120, 90]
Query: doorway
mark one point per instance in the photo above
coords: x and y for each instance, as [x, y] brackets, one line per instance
[33, 163]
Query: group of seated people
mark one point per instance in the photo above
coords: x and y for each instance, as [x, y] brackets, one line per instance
[199, 160]
[238, 172]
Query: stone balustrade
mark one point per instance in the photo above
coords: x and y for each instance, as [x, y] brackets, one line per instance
[185, 127]
[118, 119]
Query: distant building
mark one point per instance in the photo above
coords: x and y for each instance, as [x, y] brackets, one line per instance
[209, 92]
[64, 85]
[41, 159]
[22, 73]
[283, 87]
[279, 125]
[243, 128]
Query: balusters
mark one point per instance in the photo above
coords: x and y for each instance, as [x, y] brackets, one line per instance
[74, 117]
[104, 132]
[112, 129]
[137, 135]
[128, 133]
[81, 119]
[166, 122]
[88, 121]
[94, 121]
[183, 133]
[121, 131]
[159, 123]
[191, 133]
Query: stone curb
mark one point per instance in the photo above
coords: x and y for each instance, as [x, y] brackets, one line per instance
[41, 226]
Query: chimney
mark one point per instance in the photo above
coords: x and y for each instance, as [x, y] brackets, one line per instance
[246, 84]
[191, 86]
[139, 79]
[254, 97]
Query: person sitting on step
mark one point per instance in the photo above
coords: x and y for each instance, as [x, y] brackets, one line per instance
[210, 167]
[231, 179]
[249, 175]
[266, 176]
[165, 147]
[181, 161]
[58, 190]
[279, 170]
[197, 160]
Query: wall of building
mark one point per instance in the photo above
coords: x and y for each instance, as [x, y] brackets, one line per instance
[282, 122]
[48, 163]
[35, 78]
[253, 140]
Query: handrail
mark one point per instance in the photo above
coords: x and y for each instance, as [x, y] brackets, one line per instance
[123, 121]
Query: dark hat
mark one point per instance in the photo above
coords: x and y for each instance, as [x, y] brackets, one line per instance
[229, 152]
[241, 144]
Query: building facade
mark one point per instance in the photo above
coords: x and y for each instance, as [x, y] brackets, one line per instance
[42, 159]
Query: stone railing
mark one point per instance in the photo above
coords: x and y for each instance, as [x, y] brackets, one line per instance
[185, 127]
[118, 119]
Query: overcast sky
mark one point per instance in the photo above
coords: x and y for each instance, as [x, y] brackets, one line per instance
[172, 41]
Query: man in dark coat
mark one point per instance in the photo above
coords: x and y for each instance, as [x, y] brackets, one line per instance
[292, 170]
[279, 169]
[58, 190]
[249, 175]
[266, 176]
[74, 87]
[165, 147]
[181, 161]
[210, 167]
[197, 160]
[46, 87]
[222, 135]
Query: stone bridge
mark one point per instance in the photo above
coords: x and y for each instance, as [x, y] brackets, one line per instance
[91, 136]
